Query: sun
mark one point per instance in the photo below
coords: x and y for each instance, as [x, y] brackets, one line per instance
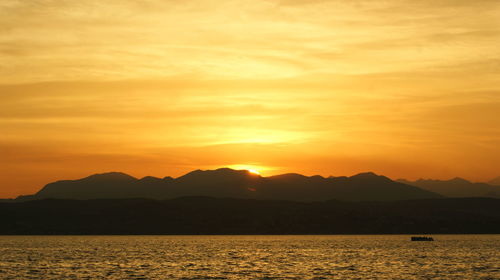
[253, 171]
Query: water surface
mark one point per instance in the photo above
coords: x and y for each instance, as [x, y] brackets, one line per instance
[249, 257]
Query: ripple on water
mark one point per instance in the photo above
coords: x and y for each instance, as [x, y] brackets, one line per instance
[248, 257]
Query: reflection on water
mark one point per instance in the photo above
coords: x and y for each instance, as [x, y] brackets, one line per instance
[249, 257]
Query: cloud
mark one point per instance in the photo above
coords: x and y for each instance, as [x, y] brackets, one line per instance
[67, 40]
[360, 81]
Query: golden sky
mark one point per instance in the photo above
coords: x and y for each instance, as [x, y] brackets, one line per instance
[154, 87]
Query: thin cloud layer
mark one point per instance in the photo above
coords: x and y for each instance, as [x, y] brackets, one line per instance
[404, 88]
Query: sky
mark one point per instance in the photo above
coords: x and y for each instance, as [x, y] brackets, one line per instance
[407, 89]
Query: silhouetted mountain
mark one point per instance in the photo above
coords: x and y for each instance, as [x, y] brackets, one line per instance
[25, 198]
[107, 185]
[227, 182]
[202, 215]
[456, 187]
[495, 182]
[223, 182]
[364, 186]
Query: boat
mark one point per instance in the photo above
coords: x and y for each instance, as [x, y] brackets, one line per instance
[421, 238]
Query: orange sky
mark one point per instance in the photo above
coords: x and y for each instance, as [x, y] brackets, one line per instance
[403, 88]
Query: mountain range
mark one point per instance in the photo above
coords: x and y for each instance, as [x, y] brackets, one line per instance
[226, 182]
[230, 183]
[495, 182]
[456, 187]
[227, 201]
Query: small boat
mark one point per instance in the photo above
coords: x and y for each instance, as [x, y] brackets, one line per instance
[421, 238]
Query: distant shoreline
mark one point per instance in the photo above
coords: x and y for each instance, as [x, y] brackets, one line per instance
[218, 216]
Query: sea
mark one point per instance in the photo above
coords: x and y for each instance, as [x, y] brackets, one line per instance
[250, 257]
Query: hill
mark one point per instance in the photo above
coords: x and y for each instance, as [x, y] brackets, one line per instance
[231, 183]
[495, 182]
[456, 187]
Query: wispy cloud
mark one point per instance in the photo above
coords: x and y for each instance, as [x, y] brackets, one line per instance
[289, 84]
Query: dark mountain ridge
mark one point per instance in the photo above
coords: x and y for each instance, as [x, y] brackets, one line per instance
[495, 182]
[456, 187]
[225, 182]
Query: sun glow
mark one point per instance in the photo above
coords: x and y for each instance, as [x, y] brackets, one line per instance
[252, 169]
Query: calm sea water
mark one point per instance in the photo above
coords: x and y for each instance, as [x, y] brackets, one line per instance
[249, 257]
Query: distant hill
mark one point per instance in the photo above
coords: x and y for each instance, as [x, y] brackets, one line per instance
[231, 183]
[495, 182]
[203, 215]
[456, 187]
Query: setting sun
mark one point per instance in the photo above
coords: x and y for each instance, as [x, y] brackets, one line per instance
[235, 139]
[253, 171]
[156, 88]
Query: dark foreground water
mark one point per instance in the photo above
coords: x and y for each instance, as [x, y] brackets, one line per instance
[249, 257]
